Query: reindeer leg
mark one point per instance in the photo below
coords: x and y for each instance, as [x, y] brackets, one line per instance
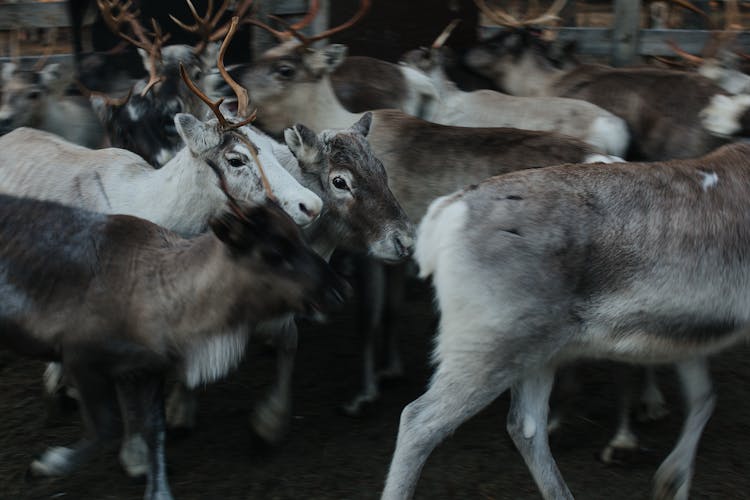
[624, 442]
[460, 388]
[100, 413]
[144, 397]
[653, 406]
[371, 285]
[182, 407]
[271, 417]
[527, 426]
[395, 280]
[672, 479]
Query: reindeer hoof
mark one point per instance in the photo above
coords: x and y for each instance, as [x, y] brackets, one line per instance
[270, 421]
[134, 457]
[54, 461]
[360, 404]
[651, 411]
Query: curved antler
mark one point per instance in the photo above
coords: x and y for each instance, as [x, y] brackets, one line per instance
[549, 16]
[364, 6]
[114, 102]
[718, 39]
[503, 18]
[441, 39]
[239, 90]
[499, 17]
[292, 30]
[242, 97]
[116, 15]
[687, 56]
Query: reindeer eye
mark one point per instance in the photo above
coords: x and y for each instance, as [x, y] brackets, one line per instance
[340, 183]
[285, 71]
[236, 162]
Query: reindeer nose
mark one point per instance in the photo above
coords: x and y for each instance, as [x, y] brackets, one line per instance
[311, 210]
[404, 246]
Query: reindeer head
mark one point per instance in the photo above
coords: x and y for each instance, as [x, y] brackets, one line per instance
[26, 93]
[363, 211]
[234, 149]
[275, 262]
[433, 58]
[144, 124]
[272, 258]
[521, 51]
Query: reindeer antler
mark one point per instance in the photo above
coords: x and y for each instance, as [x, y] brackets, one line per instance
[116, 15]
[445, 34]
[114, 102]
[205, 26]
[503, 18]
[718, 38]
[241, 92]
[292, 30]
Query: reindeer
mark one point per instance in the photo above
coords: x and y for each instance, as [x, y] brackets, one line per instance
[34, 97]
[180, 196]
[397, 87]
[488, 108]
[143, 123]
[359, 214]
[645, 263]
[663, 108]
[291, 84]
[190, 305]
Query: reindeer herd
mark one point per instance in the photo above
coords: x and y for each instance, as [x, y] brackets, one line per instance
[153, 234]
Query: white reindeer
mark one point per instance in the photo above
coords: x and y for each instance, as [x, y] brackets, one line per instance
[644, 263]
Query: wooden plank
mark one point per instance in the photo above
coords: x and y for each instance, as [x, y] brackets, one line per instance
[625, 31]
[34, 15]
[651, 42]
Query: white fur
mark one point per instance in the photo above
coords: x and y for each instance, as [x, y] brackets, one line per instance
[182, 196]
[423, 96]
[599, 158]
[710, 179]
[529, 427]
[487, 108]
[210, 357]
[609, 133]
[436, 231]
[721, 116]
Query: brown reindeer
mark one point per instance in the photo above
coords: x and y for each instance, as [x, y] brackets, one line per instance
[188, 306]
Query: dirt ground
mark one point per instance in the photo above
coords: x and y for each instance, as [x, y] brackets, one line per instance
[327, 455]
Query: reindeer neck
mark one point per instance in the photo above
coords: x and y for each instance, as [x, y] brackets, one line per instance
[312, 103]
[193, 287]
[182, 195]
[444, 85]
[531, 78]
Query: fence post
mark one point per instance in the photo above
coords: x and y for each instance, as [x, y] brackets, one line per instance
[626, 24]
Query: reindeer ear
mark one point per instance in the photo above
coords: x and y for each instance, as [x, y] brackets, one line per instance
[144, 58]
[199, 137]
[328, 58]
[304, 145]
[363, 125]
